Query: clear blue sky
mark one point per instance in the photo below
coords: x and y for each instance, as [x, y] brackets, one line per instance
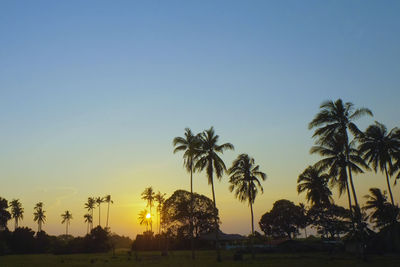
[92, 92]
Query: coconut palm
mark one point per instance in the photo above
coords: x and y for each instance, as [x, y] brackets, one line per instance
[17, 212]
[39, 215]
[379, 148]
[209, 160]
[148, 195]
[383, 213]
[90, 205]
[315, 182]
[245, 179]
[99, 200]
[144, 218]
[160, 199]
[89, 220]
[190, 146]
[66, 218]
[4, 214]
[338, 118]
[334, 162]
[108, 200]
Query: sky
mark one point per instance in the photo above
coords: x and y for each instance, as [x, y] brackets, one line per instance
[93, 92]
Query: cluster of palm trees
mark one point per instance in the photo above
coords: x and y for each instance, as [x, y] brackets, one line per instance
[201, 152]
[91, 204]
[146, 216]
[346, 150]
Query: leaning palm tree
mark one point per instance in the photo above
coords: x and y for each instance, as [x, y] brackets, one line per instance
[209, 160]
[89, 220]
[90, 205]
[245, 179]
[66, 218]
[379, 148]
[39, 215]
[108, 200]
[99, 200]
[338, 118]
[17, 212]
[315, 182]
[148, 195]
[335, 163]
[383, 213]
[144, 218]
[190, 146]
[160, 199]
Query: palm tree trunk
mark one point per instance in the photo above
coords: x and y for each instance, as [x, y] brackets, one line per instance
[108, 210]
[252, 230]
[349, 169]
[305, 231]
[191, 209]
[66, 231]
[348, 195]
[388, 184]
[352, 187]
[16, 223]
[99, 216]
[87, 230]
[216, 222]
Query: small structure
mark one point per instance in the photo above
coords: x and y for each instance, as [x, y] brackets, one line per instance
[226, 241]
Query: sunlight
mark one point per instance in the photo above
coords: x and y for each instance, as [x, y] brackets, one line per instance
[148, 216]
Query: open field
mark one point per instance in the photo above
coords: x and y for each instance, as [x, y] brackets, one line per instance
[204, 258]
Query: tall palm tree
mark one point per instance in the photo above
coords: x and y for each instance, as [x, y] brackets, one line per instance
[148, 195]
[66, 218]
[108, 200]
[4, 214]
[90, 205]
[89, 220]
[209, 160]
[338, 118]
[190, 145]
[160, 199]
[99, 200]
[245, 179]
[39, 215]
[17, 212]
[334, 161]
[379, 148]
[144, 218]
[383, 213]
[315, 183]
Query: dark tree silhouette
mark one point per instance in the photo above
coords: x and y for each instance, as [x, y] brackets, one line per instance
[382, 212]
[90, 205]
[209, 160]
[149, 195]
[4, 214]
[108, 200]
[160, 199]
[89, 220]
[39, 215]
[66, 218]
[17, 212]
[338, 118]
[315, 183]
[379, 148]
[99, 200]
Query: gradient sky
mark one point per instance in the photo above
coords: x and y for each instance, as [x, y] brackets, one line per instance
[93, 92]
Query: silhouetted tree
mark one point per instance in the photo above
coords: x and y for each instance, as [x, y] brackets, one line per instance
[108, 200]
[99, 200]
[90, 205]
[23, 240]
[39, 215]
[190, 145]
[379, 148]
[17, 212]
[148, 195]
[4, 214]
[315, 183]
[382, 212]
[337, 118]
[66, 218]
[330, 220]
[160, 199]
[144, 218]
[89, 220]
[210, 161]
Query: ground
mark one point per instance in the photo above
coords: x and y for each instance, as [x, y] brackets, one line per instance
[204, 258]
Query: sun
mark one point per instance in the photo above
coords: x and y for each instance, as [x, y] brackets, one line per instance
[148, 216]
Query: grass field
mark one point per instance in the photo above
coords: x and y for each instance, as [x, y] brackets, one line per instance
[204, 258]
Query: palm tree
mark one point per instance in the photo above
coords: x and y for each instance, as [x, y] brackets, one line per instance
[17, 212]
[379, 148]
[89, 220]
[39, 215]
[383, 213]
[99, 200]
[90, 205]
[108, 200]
[315, 183]
[209, 160]
[190, 145]
[66, 218]
[335, 163]
[337, 118]
[144, 218]
[4, 214]
[148, 195]
[160, 199]
[245, 179]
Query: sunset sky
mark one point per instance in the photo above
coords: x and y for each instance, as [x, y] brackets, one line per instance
[93, 92]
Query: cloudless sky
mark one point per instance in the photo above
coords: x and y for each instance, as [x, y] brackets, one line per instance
[93, 92]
